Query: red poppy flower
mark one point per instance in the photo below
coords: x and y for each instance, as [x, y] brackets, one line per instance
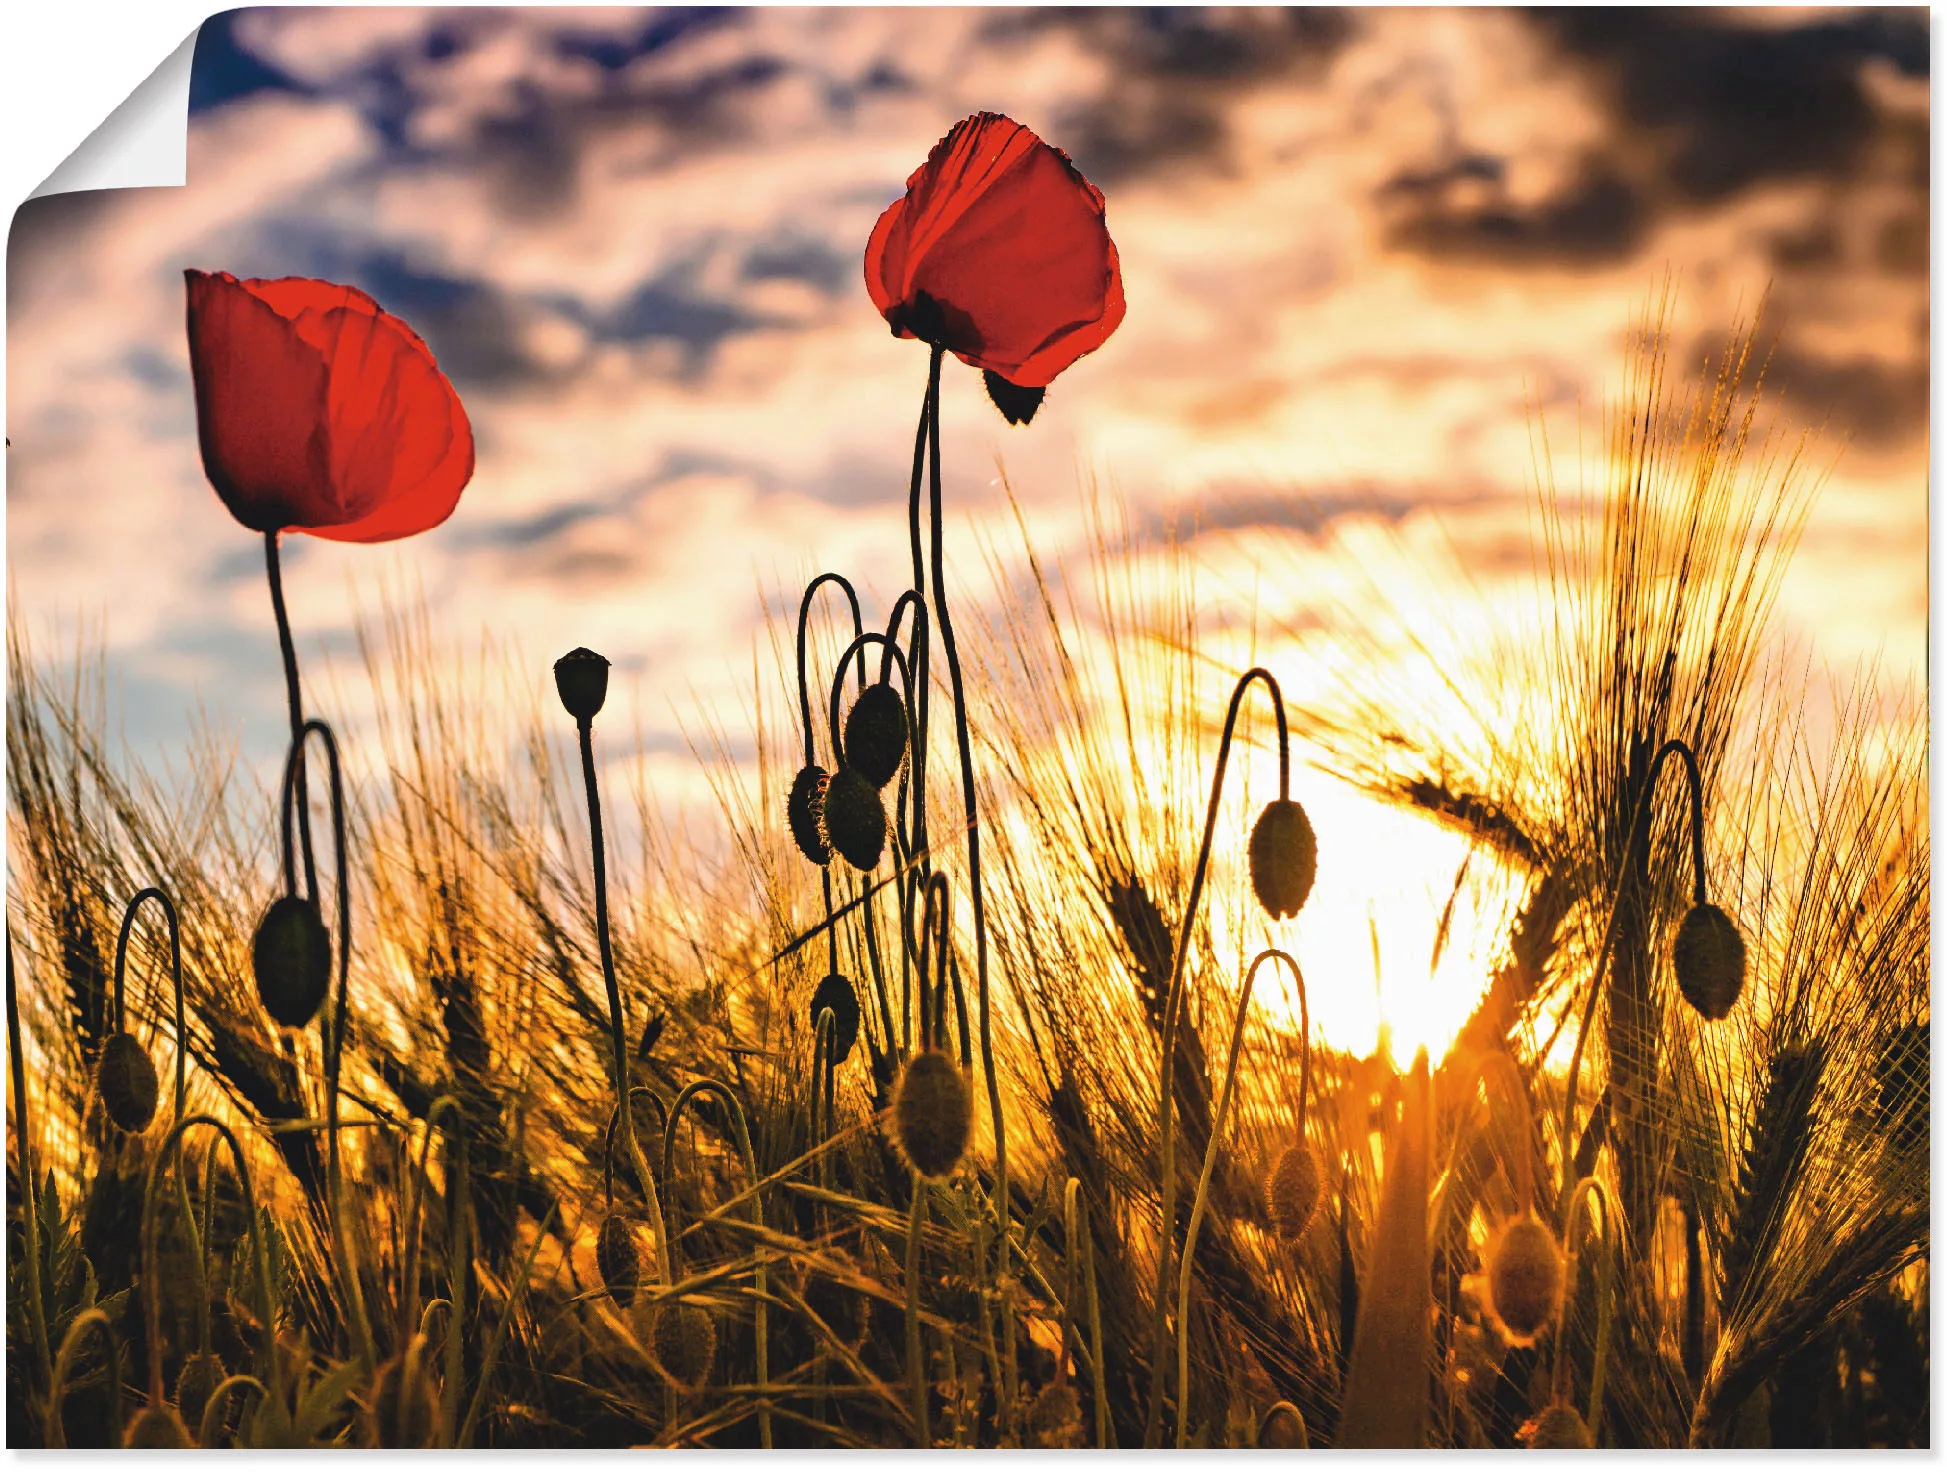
[320, 412]
[999, 253]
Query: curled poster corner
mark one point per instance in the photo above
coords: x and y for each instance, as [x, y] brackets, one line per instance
[143, 143]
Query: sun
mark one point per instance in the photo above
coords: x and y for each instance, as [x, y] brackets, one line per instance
[1378, 970]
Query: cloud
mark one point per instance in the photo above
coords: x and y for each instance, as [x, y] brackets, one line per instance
[1361, 250]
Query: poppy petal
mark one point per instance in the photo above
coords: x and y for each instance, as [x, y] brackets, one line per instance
[260, 392]
[428, 501]
[998, 251]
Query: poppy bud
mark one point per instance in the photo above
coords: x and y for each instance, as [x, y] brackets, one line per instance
[291, 955]
[805, 809]
[128, 1083]
[581, 680]
[1284, 858]
[1901, 1071]
[932, 1114]
[1524, 1279]
[1054, 1418]
[835, 994]
[1282, 1429]
[1017, 404]
[875, 734]
[1292, 1192]
[683, 1338]
[201, 1373]
[403, 1412]
[855, 819]
[618, 1259]
[1559, 1428]
[1708, 956]
[158, 1428]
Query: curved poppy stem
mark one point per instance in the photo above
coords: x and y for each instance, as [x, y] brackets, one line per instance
[1172, 1008]
[1673, 747]
[295, 698]
[585, 730]
[172, 1144]
[1184, 1273]
[85, 1321]
[341, 1007]
[216, 1409]
[1081, 1249]
[804, 625]
[30, 1188]
[415, 1213]
[734, 1105]
[182, 1086]
[1559, 1386]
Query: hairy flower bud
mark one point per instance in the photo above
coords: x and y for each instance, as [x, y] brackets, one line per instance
[1284, 858]
[1708, 956]
[855, 819]
[291, 956]
[128, 1083]
[875, 734]
[805, 810]
[932, 1114]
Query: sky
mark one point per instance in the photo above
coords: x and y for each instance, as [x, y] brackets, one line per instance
[1362, 252]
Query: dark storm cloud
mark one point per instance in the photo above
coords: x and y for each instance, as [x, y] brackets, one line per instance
[1735, 104]
[224, 70]
[1702, 107]
[1176, 71]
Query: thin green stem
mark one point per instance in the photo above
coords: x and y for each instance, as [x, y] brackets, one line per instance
[216, 1409]
[1172, 1007]
[295, 698]
[97, 1321]
[342, 1249]
[585, 728]
[1585, 1188]
[1185, 1273]
[915, 1349]
[732, 1103]
[415, 1212]
[1637, 821]
[944, 620]
[182, 1084]
[171, 1146]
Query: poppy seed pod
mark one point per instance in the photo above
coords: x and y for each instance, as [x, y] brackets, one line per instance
[683, 1338]
[1282, 1429]
[805, 809]
[1708, 956]
[1524, 1279]
[875, 734]
[128, 1083]
[835, 994]
[618, 1259]
[581, 680]
[1292, 1192]
[200, 1374]
[1284, 858]
[855, 819]
[1054, 1418]
[1559, 1428]
[158, 1428]
[932, 1114]
[404, 1413]
[291, 956]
